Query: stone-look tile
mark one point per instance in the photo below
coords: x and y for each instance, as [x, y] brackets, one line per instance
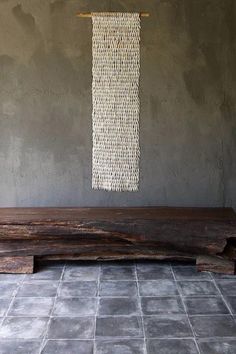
[171, 346]
[205, 306]
[120, 346]
[213, 326]
[227, 287]
[167, 326]
[71, 328]
[195, 288]
[118, 306]
[81, 273]
[121, 326]
[162, 305]
[190, 273]
[8, 289]
[45, 273]
[4, 304]
[117, 273]
[219, 276]
[18, 346]
[31, 306]
[78, 288]
[23, 327]
[68, 347]
[217, 346]
[118, 288]
[152, 271]
[231, 301]
[75, 307]
[38, 289]
[12, 278]
[157, 288]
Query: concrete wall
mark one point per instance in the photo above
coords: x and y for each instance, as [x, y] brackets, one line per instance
[188, 92]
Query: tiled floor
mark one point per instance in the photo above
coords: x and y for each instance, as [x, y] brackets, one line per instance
[117, 308]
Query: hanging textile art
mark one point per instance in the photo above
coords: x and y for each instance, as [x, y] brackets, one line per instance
[115, 94]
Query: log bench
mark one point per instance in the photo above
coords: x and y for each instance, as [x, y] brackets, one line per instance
[207, 235]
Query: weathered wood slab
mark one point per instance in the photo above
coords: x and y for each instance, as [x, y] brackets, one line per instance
[116, 233]
[17, 264]
[215, 264]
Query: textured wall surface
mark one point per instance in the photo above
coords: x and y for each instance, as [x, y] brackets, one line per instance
[187, 92]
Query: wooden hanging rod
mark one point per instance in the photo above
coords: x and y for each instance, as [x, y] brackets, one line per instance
[89, 14]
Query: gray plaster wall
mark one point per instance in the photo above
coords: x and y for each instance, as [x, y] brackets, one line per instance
[187, 92]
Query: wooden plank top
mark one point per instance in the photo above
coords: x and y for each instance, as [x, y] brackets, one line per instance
[28, 215]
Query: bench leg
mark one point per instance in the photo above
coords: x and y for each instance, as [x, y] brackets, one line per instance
[17, 265]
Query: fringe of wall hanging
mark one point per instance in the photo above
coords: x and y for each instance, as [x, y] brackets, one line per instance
[115, 93]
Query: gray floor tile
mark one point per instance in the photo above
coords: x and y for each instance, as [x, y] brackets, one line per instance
[167, 326]
[12, 278]
[4, 304]
[213, 326]
[71, 328]
[117, 273]
[121, 326]
[219, 276]
[7, 289]
[153, 271]
[120, 346]
[157, 288]
[17, 346]
[171, 346]
[227, 286]
[162, 305]
[217, 346]
[23, 327]
[31, 306]
[118, 288]
[194, 288]
[81, 272]
[78, 288]
[45, 273]
[189, 273]
[118, 306]
[75, 307]
[231, 301]
[38, 289]
[68, 347]
[205, 305]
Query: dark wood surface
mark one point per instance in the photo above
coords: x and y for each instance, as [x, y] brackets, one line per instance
[116, 233]
[17, 264]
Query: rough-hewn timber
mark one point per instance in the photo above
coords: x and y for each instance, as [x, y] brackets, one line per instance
[116, 233]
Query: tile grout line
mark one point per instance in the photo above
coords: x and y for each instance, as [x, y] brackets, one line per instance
[185, 309]
[44, 340]
[222, 296]
[12, 299]
[140, 307]
[96, 314]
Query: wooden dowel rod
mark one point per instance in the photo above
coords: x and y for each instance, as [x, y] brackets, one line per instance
[89, 14]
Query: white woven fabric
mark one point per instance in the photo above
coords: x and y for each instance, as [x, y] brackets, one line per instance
[115, 90]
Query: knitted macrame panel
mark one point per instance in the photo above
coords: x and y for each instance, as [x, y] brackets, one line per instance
[115, 91]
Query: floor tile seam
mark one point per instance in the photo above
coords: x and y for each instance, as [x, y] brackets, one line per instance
[97, 309]
[44, 339]
[185, 309]
[221, 294]
[140, 307]
[12, 299]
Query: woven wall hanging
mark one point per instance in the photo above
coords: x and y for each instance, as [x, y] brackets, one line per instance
[115, 95]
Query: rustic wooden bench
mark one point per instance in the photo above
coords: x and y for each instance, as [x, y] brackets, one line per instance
[207, 235]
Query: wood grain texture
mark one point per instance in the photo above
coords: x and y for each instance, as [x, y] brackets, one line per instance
[17, 264]
[116, 233]
[215, 264]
